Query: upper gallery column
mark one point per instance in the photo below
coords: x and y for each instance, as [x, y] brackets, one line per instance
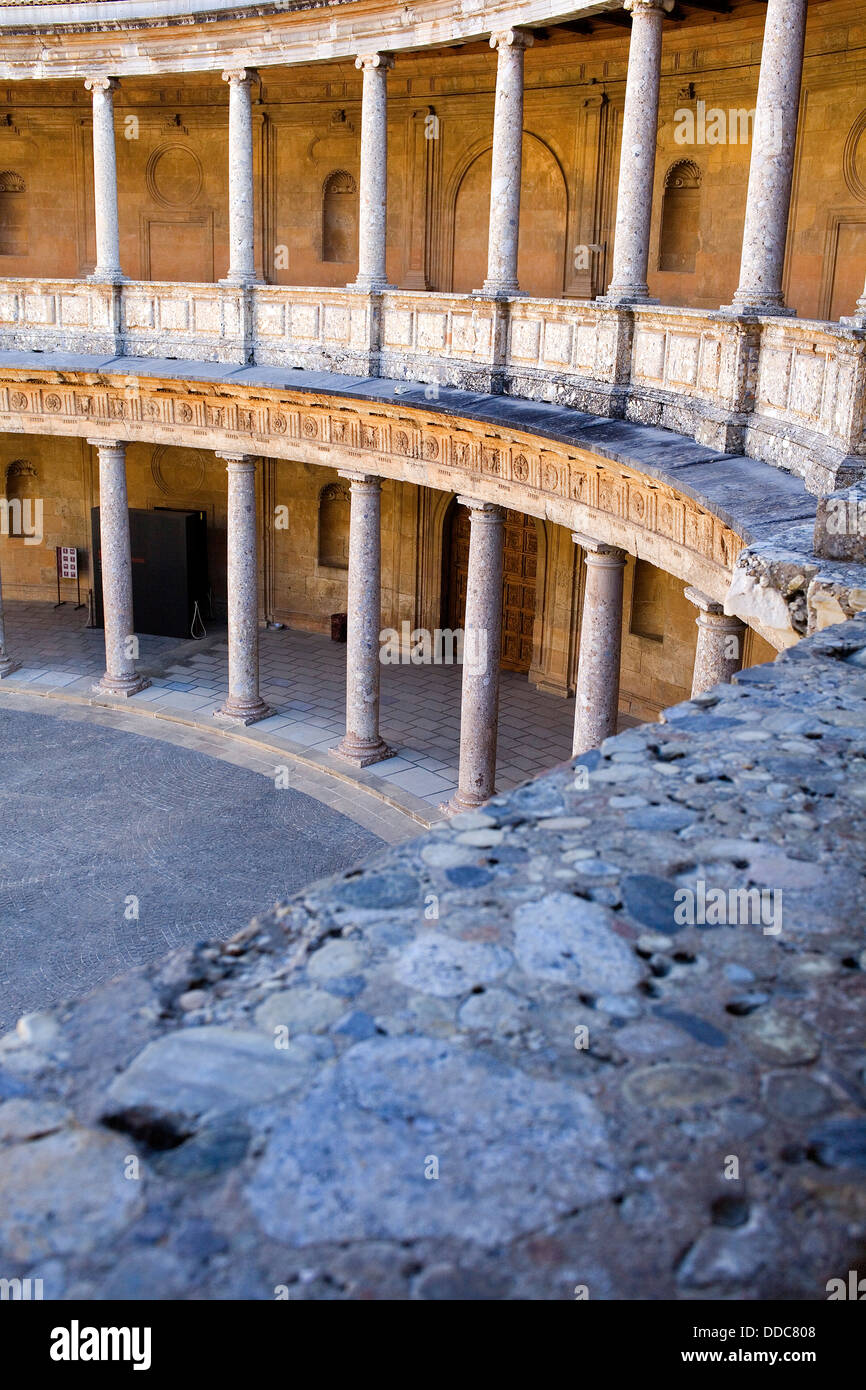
[7, 665]
[510, 45]
[719, 650]
[372, 219]
[597, 695]
[105, 180]
[244, 702]
[482, 639]
[242, 222]
[771, 172]
[637, 159]
[361, 743]
[121, 677]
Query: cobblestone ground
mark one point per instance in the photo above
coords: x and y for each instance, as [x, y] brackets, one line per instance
[497, 1061]
[91, 819]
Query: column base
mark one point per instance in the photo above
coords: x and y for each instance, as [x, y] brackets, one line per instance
[243, 711]
[370, 286]
[624, 299]
[362, 754]
[7, 666]
[463, 801]
[120, 686]
[752, 310]
[107, 277]
[497, 290]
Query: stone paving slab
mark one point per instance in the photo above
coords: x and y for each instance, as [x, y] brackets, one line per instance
[420, 705]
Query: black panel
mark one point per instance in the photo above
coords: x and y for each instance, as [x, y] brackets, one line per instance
[169, 569]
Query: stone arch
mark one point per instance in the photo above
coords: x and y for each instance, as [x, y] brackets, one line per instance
[14, 236]
[542, 249]
[334, 509]
[679, 240]
[339, 217]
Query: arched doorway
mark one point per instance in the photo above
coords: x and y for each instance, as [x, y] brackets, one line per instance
[544, 205]
[518, 581]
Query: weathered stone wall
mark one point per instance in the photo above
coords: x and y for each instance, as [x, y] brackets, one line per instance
[495, 1063]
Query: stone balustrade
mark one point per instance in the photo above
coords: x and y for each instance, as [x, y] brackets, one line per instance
[789, 392]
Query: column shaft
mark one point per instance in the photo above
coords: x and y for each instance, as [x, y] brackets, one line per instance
[242, 231]
[244, 703]
[771, 172]
[479, 710]
[506, 162]
[719, 650]
[121, 644]
[361, 743]
[7, 665]
[105, 180]
[638, 153]
[597, 694]
[373, 201]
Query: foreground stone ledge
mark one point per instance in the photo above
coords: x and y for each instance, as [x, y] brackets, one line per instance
[457, 1039]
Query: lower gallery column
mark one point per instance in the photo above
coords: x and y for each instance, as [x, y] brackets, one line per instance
[719, 652]
[597, 694]
[121, 677]
[7, 665]
[361, 743]
[479, 709]
[244, 703]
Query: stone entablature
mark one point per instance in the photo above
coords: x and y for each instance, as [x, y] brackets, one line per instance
[790, 392]
[147, 34]
[573, 487]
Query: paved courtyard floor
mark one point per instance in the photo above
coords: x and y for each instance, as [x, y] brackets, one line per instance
[114, 848]
[303, 679]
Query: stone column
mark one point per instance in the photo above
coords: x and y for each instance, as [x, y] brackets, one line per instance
[858, 319]
[482, 627]
[719, 652]
[597, 695]
[242, 228]
[637, 160]
[774, 139]
[7, 665]
[107, 266]
[361, 743]
[244, 704]
[510, 45]
[121, 644]
[373, 199]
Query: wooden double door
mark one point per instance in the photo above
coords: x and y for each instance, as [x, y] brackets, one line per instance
[518, 582]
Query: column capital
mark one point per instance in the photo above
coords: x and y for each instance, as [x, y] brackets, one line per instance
[374, 60]
[119, 444]
[511, 38]
[240, 75]
[642, 6]
[102, 84]
[599, 552]
[711, 613]
[368, 479]
[242, 460]
[491, 510]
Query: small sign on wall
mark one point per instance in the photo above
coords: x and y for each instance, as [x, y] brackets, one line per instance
[67, 568]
